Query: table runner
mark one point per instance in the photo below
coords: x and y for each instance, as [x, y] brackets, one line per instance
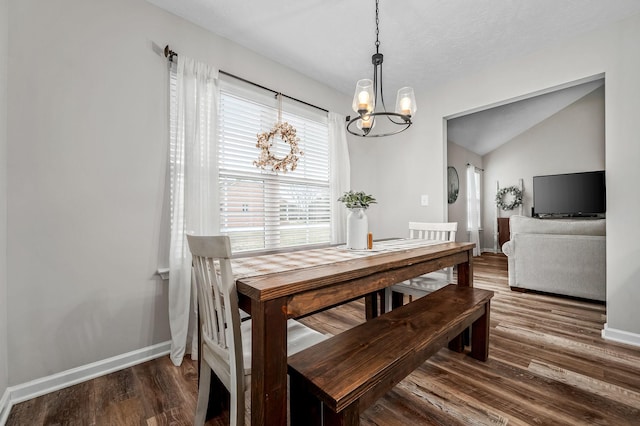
[279, 262]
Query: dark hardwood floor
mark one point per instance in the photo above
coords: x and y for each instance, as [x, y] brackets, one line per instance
[547, 365]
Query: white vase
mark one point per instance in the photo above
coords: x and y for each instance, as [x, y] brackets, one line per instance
[357, 229]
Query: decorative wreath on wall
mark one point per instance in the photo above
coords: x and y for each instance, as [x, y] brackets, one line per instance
[265, 143]
[517, 198]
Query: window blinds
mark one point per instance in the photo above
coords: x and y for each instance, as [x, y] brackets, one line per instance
[260, 209]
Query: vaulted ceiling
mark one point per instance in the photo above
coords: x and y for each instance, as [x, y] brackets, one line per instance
[486, 130]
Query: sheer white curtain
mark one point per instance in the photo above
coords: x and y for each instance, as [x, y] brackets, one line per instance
[193, 104]
[340, 175]
[473, 207]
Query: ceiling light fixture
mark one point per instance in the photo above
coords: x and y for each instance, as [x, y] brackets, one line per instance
[365, 102]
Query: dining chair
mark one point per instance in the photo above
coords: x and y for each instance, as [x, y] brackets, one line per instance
[225, 339]
[425, 284]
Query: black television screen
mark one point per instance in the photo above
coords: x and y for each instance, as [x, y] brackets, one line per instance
[573, 194]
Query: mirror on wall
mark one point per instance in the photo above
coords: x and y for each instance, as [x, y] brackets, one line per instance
[453, 185]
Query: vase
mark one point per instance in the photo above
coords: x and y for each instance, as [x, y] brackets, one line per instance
[357, 229]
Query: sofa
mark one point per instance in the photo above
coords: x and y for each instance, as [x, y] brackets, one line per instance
[559, 256]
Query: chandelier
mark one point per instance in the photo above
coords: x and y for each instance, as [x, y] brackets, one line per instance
[365, 102]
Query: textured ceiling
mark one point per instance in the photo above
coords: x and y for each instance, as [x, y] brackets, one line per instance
[425, 42]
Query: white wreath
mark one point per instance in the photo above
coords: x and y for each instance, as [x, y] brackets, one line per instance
[265, 142]
[517, 198]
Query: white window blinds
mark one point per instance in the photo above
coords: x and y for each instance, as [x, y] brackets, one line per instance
[260, 209]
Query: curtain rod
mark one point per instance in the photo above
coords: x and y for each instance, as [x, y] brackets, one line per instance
[469, 164]
[169, 54]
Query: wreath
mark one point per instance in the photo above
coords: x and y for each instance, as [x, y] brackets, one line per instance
[517, 198]
[265, 143]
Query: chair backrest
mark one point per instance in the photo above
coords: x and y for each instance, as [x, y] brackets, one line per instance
[433, 231]
[218, 305]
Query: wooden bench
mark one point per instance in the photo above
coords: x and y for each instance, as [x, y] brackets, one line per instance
[351, 370]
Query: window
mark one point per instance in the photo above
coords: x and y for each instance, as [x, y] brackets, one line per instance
[258, 208]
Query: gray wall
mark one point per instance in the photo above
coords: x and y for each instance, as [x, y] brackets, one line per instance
[88, 148]
[571, 140]
[414, 161]
[4, 58]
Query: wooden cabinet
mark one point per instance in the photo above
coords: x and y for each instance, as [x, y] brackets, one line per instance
[503, 231]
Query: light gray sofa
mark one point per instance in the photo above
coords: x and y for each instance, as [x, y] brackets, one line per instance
[558, 256]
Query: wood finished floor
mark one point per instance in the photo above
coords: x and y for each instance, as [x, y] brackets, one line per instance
[547, 365]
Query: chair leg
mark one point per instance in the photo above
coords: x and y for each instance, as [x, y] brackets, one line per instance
[203, 394]
[236, 409]
[387, 297]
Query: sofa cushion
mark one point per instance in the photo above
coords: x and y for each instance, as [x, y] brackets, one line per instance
[529, 225]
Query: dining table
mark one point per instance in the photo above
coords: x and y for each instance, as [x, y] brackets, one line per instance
[275, 287]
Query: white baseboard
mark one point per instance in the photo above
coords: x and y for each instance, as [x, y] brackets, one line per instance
[5, 407]
[620, 336]
[44, 385]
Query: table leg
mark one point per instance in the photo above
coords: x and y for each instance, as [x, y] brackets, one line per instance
[306, 409]
[370, 306]
[269, 363]
[374, 304]
[465, 272]
[397, 299]
[383, 302]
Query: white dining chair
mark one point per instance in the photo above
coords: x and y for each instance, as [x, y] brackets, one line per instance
[225, 339]
[425, 284]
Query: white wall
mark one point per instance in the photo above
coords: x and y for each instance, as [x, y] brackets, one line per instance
[88, 148]
[570, 141]
[4, 57]
[397, 170]
[415, 163]
[458, 157]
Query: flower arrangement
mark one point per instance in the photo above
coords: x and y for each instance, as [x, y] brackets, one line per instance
[265, 142]
[517, 198]
[357, 200]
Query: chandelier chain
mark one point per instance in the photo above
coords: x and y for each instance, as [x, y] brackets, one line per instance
[377, 29]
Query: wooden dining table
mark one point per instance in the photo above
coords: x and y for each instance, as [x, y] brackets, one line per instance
[317, 280]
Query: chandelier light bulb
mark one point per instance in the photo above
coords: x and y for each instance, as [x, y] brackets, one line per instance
[405, 106]
[406, 102]
[366, 123]
[363, 99]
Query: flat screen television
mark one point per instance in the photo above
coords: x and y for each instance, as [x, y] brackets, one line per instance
[569, 195]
